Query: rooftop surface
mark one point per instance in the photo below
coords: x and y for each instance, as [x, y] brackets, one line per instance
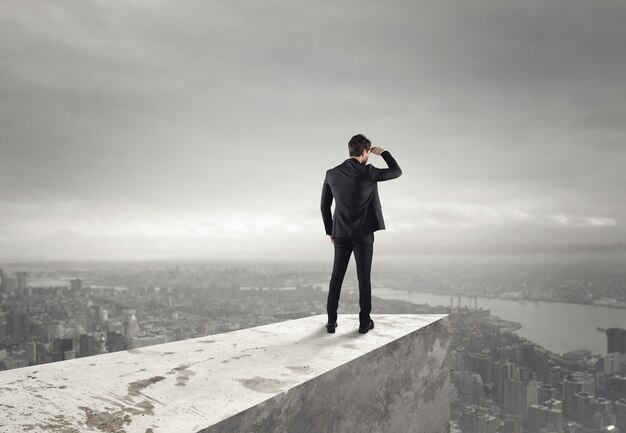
[188, 385]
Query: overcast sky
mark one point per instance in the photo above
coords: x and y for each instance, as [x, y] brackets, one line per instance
[147, 129]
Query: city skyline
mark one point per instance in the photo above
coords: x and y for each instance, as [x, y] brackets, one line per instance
[152, 130]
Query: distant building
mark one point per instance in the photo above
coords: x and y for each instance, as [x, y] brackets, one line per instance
[18, 323]
[513, 424]
[501, 372]
[76, 284]
[137, 342]
[583, 407]
[620, 414]
[616, 340]
[545, 392]
[9, 285]
[87, 345]
[615, 362]
[548, 417]
[22, 281]
[31, 353]
[131, 325]
[572, 384]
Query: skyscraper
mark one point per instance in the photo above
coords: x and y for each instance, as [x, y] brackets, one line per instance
[583, 407]
[22, 281]
[77, 284]
[616, 340]
[545, 392]
[620, 414]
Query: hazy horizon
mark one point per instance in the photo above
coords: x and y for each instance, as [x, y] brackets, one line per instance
[141, 130]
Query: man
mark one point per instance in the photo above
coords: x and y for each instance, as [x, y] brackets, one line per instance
[357, 215]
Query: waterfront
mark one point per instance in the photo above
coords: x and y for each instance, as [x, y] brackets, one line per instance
[557, 326]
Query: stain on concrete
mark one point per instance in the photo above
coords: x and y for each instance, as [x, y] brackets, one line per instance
[238, 357]
[207, 341]
[134, 388]
[262, 384]
[299, 369]
[57, 424]
[349, 346]
[110, 422]
[183, 374]
[167, 353]
[146, 407]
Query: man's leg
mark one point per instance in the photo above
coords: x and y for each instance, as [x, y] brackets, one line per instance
[363, 252]
[343, 250]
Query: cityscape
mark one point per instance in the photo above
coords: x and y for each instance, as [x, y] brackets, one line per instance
[501, 382]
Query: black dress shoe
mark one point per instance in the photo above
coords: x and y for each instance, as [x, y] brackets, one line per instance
[330, 327]
[364, 329]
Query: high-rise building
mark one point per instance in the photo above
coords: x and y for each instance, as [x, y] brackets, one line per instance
[602, 414]
[87, 345]
[76, 284]
[616, 340]
[131, 325]
[583, 407]
[2, 280]
[22, 281]
[31, 352]
[620, 414]
[137, 342]
[469, 420]
[513, 424]
[501, 372]
[545, 392]
[614, 363]
[10, 285]
[572, 384]
[518, 396]
[615, 386]
[18, 323]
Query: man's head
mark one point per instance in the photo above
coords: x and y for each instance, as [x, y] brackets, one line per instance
[359, 147]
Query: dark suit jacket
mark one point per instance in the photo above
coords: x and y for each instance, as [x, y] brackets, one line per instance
[354, 186]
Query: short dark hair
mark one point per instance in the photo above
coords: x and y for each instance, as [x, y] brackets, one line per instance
[358, 144]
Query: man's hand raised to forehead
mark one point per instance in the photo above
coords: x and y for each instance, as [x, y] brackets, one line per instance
[376, 150]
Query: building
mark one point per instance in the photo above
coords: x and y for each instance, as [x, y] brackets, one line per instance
[583, 407]
[76, 284]
[616, 340]
[87, 345]
[548, 416]
[615, 362]
[137, 342]
[502, 371]
[513, 424]
[574, 383]
[545, 392]
[31, 353]
[22, 281]
[470, 420]
[620, 414]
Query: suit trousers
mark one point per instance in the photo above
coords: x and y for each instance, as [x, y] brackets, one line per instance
[363, 247]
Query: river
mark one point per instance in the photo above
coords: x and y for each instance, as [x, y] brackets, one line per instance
[557, 326]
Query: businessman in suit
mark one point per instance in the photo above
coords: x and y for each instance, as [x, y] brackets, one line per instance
[353, 185]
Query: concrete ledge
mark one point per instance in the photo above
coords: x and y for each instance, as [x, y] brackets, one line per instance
[284, 377]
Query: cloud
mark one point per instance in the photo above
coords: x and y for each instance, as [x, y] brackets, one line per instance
[152, 118]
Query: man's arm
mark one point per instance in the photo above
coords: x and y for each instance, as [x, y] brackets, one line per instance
[327, 200]
[382, 174]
